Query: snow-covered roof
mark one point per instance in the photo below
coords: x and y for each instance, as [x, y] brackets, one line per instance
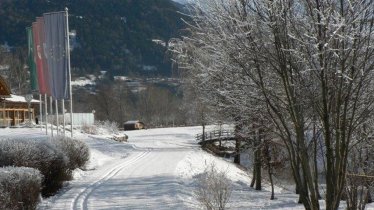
[21, 99]
[132, 122]
[82, 82]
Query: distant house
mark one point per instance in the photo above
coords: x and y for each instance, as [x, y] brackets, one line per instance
[133, 125]
[13, 108]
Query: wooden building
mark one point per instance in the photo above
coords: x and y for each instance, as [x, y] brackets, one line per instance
[13, 108]
[133, 125]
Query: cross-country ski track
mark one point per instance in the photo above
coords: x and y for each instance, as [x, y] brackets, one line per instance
[155, 169]
[139, 174]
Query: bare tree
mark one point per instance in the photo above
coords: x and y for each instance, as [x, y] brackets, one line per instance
[299, 65]
[105, 102]
[360, 172]
[17, 75]
[213, 189]
[159, 106]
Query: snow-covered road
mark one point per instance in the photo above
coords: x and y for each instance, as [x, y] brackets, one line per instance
[154, 170]
[140, 174]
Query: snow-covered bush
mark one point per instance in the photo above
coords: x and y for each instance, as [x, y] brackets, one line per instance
[112, 127]
[38, 154]
[77, 151]
[213, 189]
[90, 129]
[101, 127]
[55, 158]
[19, 188]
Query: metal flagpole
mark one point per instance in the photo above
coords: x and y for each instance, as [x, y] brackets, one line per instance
[69, 70]
[40, 112]
[45, 113]
[51, 111]
[56, 111]
[63, 114]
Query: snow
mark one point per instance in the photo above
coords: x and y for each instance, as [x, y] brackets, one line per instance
[155, 169]
[83, 82]
[159, 42]
[16, 98]
[132, 121]
[121, 78]
[183, 1]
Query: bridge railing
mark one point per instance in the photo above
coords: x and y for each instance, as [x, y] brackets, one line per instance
[216, 134]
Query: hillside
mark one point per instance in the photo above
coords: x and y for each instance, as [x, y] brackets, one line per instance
[112, 35]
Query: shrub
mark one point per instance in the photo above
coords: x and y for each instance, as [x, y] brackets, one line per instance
[112, 127]
[77, 151]
[38, 154]
[55, 158]
[213, 189]
[90, 129]
[101, 127]
[357, 191]
[19, 188]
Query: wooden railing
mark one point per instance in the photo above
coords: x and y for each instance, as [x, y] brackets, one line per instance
[215, 135]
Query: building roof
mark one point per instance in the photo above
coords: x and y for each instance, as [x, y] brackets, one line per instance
[7, 95]
[4, 89]
[19, 99]
[133, 122]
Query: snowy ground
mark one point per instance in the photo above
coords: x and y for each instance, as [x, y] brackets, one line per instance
[154, 170]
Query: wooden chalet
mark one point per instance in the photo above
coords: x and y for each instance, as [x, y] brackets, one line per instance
[133, 125]
[13, 108]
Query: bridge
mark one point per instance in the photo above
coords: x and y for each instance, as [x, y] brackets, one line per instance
[215, 136]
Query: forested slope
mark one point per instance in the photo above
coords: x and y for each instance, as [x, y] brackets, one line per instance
[112, 35]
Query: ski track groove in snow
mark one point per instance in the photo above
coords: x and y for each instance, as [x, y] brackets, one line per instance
[80, 201]
[156, 169]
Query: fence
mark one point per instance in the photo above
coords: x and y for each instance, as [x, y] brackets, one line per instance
[217, 134]
[79, 119]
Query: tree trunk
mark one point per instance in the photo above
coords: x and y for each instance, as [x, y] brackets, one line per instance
[237, 144]
[257, 163]
[370, 200]
[315, 144]
[237, 152]
[203, 137]
[270, 169]
[272, 197]
[253, 177]
[258, 169]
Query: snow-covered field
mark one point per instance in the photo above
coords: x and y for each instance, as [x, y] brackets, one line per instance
[155, 169]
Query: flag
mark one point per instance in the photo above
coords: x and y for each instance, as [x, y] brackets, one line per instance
[56, 53]
[31, 60]
[38, 57]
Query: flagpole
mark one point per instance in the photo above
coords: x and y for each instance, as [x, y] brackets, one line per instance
[40, 112]
[45, 113]
[51, 111]
[56, 111]
[63, 114]
[69, 70]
